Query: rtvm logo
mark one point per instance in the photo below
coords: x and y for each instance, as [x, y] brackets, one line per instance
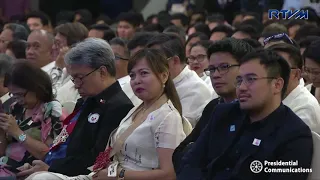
[288, 14]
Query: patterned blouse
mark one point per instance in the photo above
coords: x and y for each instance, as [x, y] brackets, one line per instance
[45, 122]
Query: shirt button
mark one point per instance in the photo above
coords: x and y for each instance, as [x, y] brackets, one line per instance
[237, 152]
[228, 169]
[49, 153]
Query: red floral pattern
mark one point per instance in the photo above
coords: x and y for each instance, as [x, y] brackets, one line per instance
[103, 160]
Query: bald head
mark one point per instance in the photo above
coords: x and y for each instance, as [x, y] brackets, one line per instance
[40, 47]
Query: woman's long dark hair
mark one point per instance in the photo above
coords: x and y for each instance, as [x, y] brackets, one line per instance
[27, 76]
[158, 64]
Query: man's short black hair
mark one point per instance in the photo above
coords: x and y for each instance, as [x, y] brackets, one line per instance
[274, 64]
[171, 44]
[236, 47]
[305, 42]
[223, 28]
[253, 42]
[140, 39]
[44, 18]
[177, 30]
[216, 18]
[153, 28]
[131, 17]
[182, 17]
[312, 51]
[248, 29]
[201, 27]
[294, 53]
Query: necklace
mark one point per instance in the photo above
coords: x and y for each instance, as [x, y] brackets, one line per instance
[143, 109]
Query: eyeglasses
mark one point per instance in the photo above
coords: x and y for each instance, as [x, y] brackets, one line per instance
[18, 95]
[248, 81]
[121, 58]
[282, 36]
[79, 80]
[314, 71]
[199, 58]
[222, 69]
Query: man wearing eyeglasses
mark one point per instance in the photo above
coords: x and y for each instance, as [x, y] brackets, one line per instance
[241, 136]
[297, 97]
[99, 111]
[224, 58]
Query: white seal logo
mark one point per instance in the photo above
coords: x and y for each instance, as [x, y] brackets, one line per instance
[93, 118]
[256, 166]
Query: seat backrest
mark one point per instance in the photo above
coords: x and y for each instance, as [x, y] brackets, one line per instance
[315, 158]
[187, 127]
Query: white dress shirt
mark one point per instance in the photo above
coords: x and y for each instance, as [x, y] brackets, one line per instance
[67, 93]
[59, 77]
[305, 105]
[194, 94]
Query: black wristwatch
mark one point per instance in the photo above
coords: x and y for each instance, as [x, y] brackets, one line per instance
[121, 174]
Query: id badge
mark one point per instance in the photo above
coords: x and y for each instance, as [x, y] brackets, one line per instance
[112, 169]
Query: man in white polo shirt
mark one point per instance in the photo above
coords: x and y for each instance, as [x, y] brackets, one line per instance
[297, 97]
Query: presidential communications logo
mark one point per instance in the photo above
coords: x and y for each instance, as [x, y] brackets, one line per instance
[278, 167]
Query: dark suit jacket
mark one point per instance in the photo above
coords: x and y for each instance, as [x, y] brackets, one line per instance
[89, 139]
[284, 137]
[202, 123]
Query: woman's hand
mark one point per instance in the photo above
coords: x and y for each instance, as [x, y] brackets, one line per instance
[9, 124]
[103, 175]
[60, 59]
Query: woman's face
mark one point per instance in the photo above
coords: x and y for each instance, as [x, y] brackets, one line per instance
[190, 43]
[312, 68]
[23, 97]
[145, 84]
[198, 59]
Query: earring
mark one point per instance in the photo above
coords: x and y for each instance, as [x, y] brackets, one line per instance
[164, 86]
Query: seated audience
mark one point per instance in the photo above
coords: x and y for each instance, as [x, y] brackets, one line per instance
[297, 97]
[146, 138]
[99, 111]
[17, 49]
[198, 60]
[33, 122]
[224, 59]
[194, 94]
[312, 67]
[257, 127]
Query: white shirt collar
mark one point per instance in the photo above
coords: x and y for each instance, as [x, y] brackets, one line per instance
[293, 94]
[5, 97]
[182, 74]
[124, 80]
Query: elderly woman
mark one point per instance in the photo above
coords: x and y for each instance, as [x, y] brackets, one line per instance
[102, 106]
[34, 121]
[144, 142]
